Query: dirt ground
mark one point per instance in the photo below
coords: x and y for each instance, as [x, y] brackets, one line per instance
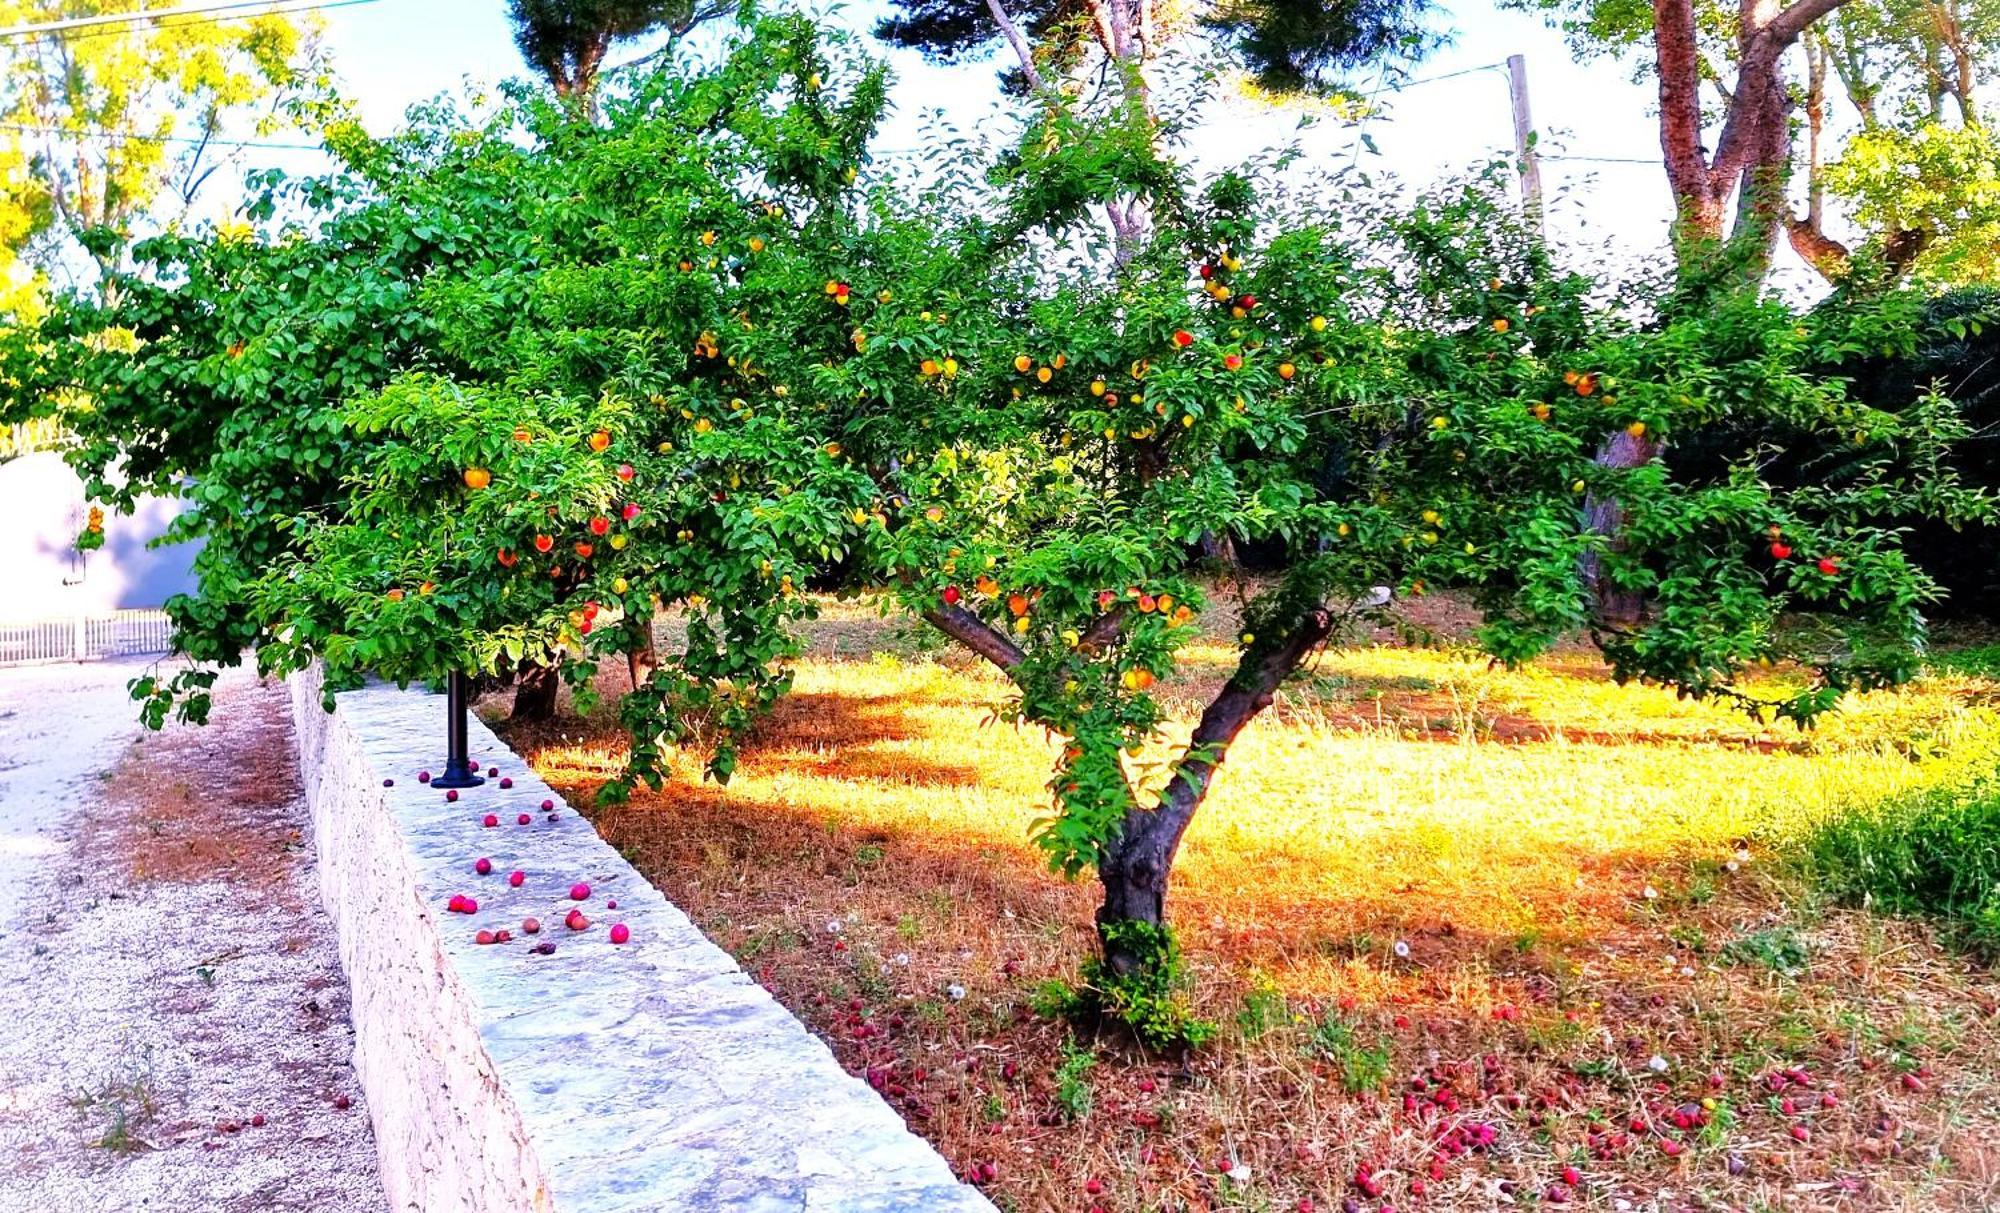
[178, 1018]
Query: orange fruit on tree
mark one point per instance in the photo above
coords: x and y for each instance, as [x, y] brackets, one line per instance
[600, 440]
[395, 595]
[1023, 363]
[583, 550]
[543, 544]
[522, 435]
[1017, 603]
[477, 478]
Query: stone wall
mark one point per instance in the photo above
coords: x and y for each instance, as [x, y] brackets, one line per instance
[600, 1078]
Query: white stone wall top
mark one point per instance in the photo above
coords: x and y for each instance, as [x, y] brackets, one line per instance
[596, 1078]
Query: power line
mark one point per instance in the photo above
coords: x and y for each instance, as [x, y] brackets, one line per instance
[1484, 67]
[101, 133]
[1652, 160]
[92, 27]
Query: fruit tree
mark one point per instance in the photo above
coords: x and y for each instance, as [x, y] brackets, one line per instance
[1308, 418]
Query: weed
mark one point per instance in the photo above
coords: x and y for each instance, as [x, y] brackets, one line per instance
[1263, 1008]
[1777, 948]
[994, 1109]
[1362, 1067]
[909, 928]
[868, 854]
[1054, 999]
[1073, 1080]
[128, 1100]
[1152, 998]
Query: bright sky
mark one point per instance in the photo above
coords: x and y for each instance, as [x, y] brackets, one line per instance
[391, 53]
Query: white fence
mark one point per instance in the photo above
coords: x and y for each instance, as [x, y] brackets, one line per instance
[84, 637]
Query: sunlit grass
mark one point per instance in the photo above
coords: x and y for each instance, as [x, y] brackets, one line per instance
[1459, 859]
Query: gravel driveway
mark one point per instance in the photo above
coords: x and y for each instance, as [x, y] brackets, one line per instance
[178, 1032]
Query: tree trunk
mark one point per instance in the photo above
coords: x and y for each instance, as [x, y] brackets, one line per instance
[641, 657]
[1135, 867]
[1614, 607]
[535, 693]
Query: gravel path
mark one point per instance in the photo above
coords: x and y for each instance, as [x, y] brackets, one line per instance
[179, 1036]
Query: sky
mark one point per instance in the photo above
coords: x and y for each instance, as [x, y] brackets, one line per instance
[1597, 131]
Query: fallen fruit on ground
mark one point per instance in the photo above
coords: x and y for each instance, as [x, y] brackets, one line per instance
[620, 933]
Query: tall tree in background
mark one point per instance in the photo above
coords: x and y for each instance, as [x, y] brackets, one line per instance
[1918, 174]
[1285, 45]
[566, 40]
[114, 129]
[1921, 174]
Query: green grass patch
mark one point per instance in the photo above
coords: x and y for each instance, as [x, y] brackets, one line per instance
[1933, 853]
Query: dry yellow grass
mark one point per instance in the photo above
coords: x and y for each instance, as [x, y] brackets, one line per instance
[1560, 859]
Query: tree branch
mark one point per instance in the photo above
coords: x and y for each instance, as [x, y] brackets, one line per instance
[972, 632]
[1786, 27]
[1019, 42]
[1105, 629]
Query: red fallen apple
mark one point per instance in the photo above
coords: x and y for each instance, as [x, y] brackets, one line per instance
[451, 796]
[1572, 1177]
[257, 1121]
[503, 935]
[632, 510]
[951, 595]
[531, 926]
[1093, 1186]
[342, 1102]
[490, 820]
[1183, 338]
[600, 526]
[1781, 551]
[423, 776]
[1829, 565]
[521, 819]
[484, 937]
[579, 891]
[1801, 1133]
[547, 805]
[575, 920]
[507, 783]
[515, 878]
[482, 865]
[625, 471]
[620, 933]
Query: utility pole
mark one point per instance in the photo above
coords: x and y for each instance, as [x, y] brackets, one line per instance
[1524, 141]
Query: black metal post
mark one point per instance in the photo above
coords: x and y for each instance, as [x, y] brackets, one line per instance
[458, 772]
